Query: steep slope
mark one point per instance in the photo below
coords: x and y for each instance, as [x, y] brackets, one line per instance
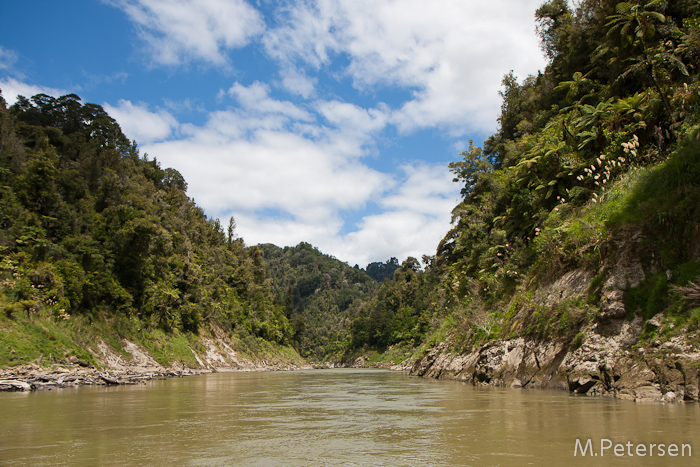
[573, 259]
[321, 295]
[93, 232]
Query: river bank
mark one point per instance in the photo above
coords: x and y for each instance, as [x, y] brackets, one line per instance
[609, 362]
[132, 363]
[32, 377]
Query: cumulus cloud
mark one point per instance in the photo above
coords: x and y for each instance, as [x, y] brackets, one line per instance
[451, 55]
[415, 217]
[269, 169]
[426, 189]
[255, 98]
[140, 124]
[11, 88]
[285, 186]
[177, 31]
[297, 82]
[351, 126]
[281, 231]
[253, 157]
[393, 233]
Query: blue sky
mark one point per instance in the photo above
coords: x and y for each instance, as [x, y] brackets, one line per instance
[330, 122]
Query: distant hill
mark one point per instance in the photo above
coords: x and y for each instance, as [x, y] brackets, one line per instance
[321, 295]
[381, 271]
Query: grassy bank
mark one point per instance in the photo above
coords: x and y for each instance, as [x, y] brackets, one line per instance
[38, 336]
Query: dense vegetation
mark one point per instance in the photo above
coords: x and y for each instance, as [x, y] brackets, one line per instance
[382, 271]
[321, 294]
[601, 146]
[91, 228]
[400, 311]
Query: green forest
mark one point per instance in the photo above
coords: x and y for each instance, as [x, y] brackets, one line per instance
[601, 146]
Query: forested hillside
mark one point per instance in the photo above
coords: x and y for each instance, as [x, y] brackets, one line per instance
[594, 173]
[321, 295]
[598, 152]
[93, 229]
[601, 147]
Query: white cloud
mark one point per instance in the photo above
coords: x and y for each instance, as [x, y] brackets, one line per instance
[353, 126]
[285, 186]
[140, 124]
[255, 98]
[255, 158]
[345, 115]
[8, 58]
[269, 169]
[451, 55]
[177, 31]
[392, 233]
[256, 229]
[296, 82]
[427, 189]
[416, 216]
[11, 88]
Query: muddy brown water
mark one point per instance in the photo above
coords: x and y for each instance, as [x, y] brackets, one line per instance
[337, 418]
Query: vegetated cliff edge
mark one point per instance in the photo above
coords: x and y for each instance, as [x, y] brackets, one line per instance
[616, 352]
[112, 362]
[574, 258]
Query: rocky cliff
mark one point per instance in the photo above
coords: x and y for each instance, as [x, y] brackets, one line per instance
[615, 353]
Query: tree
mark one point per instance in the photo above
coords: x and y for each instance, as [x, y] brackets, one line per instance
[381, 271]
[637, 25]
[231, 230]
[469, 170]
[579, 84]
[552, 18]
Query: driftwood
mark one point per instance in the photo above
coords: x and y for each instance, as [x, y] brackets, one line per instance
[110, 381]
[38, 378]
[15, 385]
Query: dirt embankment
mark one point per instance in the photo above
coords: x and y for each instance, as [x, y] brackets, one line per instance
[138, 367]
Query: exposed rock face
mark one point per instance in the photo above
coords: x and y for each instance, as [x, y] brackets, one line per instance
[602, 366]
[516, 362]
[572, 284]
[606, 363]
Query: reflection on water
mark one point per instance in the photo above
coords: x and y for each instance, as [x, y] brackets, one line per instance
[330, 418]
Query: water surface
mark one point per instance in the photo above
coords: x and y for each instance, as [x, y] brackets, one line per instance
[333, 418]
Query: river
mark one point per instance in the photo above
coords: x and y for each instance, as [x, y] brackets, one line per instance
[337, 418]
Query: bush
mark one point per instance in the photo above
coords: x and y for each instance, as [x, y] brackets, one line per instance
[577, 341]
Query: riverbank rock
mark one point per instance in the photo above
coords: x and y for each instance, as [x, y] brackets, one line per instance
[602, 366]
[606, 360]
